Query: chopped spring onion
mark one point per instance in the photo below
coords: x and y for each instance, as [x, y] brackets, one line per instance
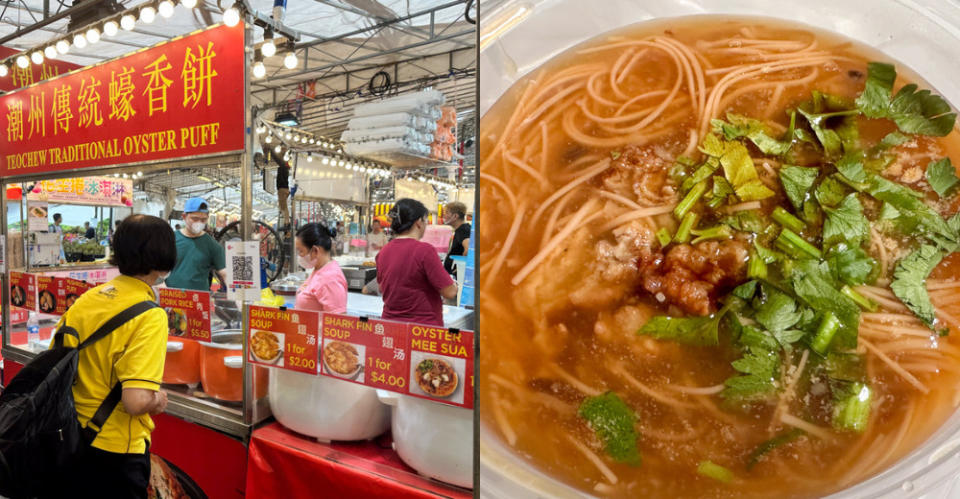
[710, 469]
[864, 302]
[715, 232]
[756, 267]
[784, 218]
[699, 175]
[764, 448]
[686, 225]
[853, 412]
[663, 235]
[828, 328]
[690, 199]
[791, 239]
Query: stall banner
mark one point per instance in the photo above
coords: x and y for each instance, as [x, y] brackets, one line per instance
[68, 292]
[47, 294]
[181, 98]
[33, 73]
[98, 191]
[37, 216]
[441, 365]
[365, 351]
[188, 313]
[284, 338]
[23, 290]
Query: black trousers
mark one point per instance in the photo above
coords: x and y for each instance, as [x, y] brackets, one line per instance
[101, 474]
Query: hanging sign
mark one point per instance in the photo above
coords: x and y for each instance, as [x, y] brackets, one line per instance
[181, 98]
[284, 338]
[368, 352]
[23, 290]
[441, 365]
[98, 191]
[37, 212]
[188, 312]
[47, 301]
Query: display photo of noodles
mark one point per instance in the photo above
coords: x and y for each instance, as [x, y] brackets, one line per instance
[267, 346]
[176, 321]
[48, 303]
[717, 260]
[343, 360]
[437, 376]
[18, 297]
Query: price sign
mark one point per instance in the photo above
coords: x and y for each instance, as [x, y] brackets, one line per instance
[23, 290]
[47, 291]
[441, 365]
[68, 291]
[188, 313]
[284, 338]
[368, 352]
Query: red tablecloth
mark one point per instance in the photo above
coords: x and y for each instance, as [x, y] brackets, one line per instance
[285, 464]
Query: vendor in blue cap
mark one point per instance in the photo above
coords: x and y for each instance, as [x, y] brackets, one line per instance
[197, 252]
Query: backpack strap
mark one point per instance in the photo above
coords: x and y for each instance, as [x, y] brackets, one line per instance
[93, 427]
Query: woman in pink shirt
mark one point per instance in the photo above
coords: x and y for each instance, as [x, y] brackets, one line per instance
[325, 289]
[410, 273]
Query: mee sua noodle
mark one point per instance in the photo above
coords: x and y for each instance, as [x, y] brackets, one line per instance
[719, 262]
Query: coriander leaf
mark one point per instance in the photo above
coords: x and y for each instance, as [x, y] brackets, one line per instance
[797, 181]
[769, 445]
[746, 290]
[745, 221]
[913, 210]
[851, 166]
[614, 422]
[831, 192]
[778, 311]
[760, 369]
[738, 126]
[851, 265]
[909, 282]
[788, 337]
[846, 223]
[893, 139]
[942, 177]
[875, 99]
[814, 285]
[752, 337]
[696, 331]
[888, 212]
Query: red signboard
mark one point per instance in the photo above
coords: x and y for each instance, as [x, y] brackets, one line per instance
[47, 294]
[284, 338]
[34, 73]
[23, 290]
[188, 312]
[441, 365]
[181, 98]
[68, 292]
[368, 352]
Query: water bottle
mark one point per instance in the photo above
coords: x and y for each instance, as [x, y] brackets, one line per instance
[33, 329]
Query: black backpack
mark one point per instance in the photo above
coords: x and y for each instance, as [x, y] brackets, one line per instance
[40, 435]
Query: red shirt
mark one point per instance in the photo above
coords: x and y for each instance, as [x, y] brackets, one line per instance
[411, 275]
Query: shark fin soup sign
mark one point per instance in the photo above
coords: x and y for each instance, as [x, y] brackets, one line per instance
[181, 98]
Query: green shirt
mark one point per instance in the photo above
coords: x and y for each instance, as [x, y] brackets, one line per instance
[196, 257]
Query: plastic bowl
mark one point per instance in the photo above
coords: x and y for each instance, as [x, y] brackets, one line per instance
[517, 36]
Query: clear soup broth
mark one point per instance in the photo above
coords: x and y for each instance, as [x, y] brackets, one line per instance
[587, 165]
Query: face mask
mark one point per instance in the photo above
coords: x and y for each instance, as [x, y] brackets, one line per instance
[197, 227]
[306, 263]
[161, 279]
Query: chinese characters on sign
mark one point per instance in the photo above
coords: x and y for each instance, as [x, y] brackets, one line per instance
[23, 290]
[376, 346]
[188, 313]
[100, 191]
[23, 77]
[284, 338]
[181, 98]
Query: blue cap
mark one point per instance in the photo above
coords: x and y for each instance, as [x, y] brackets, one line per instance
[194, 205]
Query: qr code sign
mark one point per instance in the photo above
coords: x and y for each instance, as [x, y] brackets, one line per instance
[243, 269]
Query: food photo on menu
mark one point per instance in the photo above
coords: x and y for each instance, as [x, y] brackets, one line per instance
[343, 360]
[437, 376]
[724, 257]
[267, 347]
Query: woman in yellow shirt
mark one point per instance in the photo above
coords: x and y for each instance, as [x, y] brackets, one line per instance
[117, 464]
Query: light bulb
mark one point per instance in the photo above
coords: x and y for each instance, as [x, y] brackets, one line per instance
[288, 135]
[93, 35]
[309, 158]
[340, 163]
[276, 149]
[188, 3]
[165, 8]
[50, 52]
[79, 41]
[37, 57]
[128, 22]
[313, 141]
[4, 70]
[63, 46]
[259, 70]
[22, 61]
[326, 160]
[290, 60]
[268, 49]
[110, 28]
[268, 140]
[147, 14]
[231, 16]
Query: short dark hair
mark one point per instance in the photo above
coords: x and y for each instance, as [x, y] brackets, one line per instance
[457, 208]
[57, 217]
[142, 244]
[405, 214]
[314, 234]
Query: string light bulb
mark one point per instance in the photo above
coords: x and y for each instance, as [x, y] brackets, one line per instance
[79, 41]
[63, 46]
[37, 57]
[147, 14]
[110, 28]
[188, 3]
[93, 35]
[22, 62]
[276, 149]
[50, 52]
[231, 16]
[259, 70]
[4, 70]
[128, 22]
[165, 8]
[269, 48]
[309, 158]
[268, 140]
[290, 60]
